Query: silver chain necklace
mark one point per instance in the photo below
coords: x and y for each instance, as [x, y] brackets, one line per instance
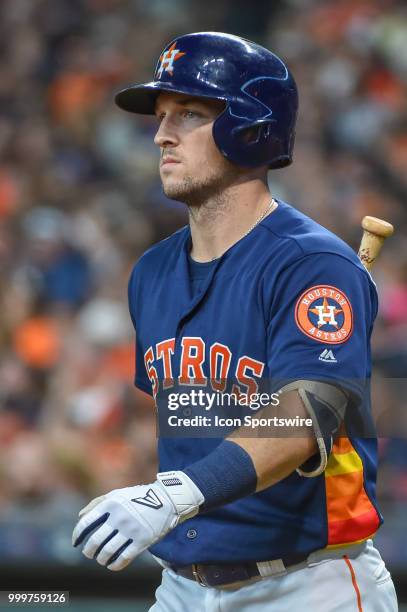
[271, 206]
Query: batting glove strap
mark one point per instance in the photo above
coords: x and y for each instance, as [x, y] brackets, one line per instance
[183, 492]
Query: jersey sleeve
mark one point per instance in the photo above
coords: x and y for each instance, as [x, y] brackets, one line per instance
[320, 321]
[141, 379]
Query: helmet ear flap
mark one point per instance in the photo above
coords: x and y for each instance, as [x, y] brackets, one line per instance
[255, 143]
[255, 132]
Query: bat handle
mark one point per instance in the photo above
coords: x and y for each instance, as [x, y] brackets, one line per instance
[375, 232]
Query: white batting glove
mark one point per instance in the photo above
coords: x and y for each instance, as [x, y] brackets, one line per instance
[124, 522]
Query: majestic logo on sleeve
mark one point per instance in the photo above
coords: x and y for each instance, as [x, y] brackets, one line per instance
[167, 59]
[324, 313]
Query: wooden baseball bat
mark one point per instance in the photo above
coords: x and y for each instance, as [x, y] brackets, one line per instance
[375, 232]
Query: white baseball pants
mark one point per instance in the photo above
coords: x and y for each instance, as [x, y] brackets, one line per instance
[358, 582]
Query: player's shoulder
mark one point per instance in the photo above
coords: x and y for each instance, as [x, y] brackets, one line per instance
[305, 238]
[310, 255]
[160, 253]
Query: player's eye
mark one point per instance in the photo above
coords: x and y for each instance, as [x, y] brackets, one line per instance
[189, 114]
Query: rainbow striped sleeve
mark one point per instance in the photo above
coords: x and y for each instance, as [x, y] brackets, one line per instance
[351, 515]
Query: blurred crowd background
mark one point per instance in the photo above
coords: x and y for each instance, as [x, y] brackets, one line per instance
[80, 200]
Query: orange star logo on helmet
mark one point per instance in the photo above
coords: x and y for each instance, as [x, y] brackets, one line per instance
[167, 59]
[324, 313]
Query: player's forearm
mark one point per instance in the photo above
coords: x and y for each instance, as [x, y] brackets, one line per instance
[241, 465]
[276, 458]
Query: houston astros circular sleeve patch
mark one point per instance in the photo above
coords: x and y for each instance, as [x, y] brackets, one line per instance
[324, 313]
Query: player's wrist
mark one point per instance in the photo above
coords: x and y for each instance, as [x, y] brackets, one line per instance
[224, 476]
[184, 494]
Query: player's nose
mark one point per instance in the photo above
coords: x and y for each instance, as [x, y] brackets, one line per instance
[166, 134]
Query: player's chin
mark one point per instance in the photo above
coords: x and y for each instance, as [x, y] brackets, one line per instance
[173, 192]
[172, 186]
[177, 190]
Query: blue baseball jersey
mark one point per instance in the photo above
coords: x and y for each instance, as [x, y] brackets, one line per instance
[289, 301]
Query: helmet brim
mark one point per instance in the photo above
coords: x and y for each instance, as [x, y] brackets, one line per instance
[141, 98]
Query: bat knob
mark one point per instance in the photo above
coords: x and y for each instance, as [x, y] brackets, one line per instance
[377, 226]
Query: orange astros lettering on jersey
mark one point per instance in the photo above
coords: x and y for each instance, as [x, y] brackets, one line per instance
[192, 359]
[164, 351]
[151, 371]
[220, 358]
[192, 364]
[324, 313]
[247, 364]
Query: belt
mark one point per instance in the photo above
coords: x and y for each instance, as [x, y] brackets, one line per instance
[223, 574]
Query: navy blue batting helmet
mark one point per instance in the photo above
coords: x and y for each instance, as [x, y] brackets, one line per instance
[257, 126]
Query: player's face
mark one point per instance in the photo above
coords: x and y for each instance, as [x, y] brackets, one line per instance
[191, 167]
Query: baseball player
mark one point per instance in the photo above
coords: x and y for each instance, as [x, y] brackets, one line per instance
[251, 295]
